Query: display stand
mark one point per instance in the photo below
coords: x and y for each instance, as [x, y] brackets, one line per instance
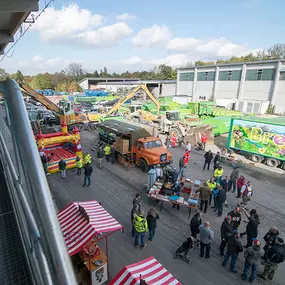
[191, 202]
[85, 229]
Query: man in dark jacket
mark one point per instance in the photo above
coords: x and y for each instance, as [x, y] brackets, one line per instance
[87, 174]
[235, 214]
[226, 184]
[181, 166]
[152, 216]
[62, 167]
[227, 228]
[252, 258]
[217, 160]
[208, 158]
[205, 193]
[276, 255]
[220, 200]
[269, 239]
[233, 178]
[195, 223]
[252, 226]
[234, 247]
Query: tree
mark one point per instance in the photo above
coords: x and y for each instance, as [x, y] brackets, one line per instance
[200, 63]
[277, 51]
[75, 71]
[74, 87]
[62, 86]
[164, 72]
[3, 74]
[18, 76]
[59, 77]
[42, 81]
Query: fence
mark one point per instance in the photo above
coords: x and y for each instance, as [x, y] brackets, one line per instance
[48, 260]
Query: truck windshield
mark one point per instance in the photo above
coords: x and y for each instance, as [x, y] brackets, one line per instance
[153, 144]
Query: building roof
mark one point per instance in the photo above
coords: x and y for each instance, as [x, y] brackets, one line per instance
[125, 81]
[12, 14]
[233, 64]
[106, 79]
[76, 229]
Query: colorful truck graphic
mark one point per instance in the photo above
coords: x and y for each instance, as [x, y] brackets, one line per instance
[263, 140]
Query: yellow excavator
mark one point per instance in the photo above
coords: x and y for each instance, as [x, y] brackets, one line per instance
[129, 96]
[66, 109]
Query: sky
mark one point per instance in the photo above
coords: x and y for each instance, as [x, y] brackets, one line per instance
[132, 35]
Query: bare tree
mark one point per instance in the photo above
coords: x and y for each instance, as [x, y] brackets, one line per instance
[75, 71]
[277, 51]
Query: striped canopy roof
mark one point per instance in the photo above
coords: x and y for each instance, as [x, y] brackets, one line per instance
[77, 231]
[150, 270]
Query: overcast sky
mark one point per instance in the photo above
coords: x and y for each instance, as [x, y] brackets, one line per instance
[136, 35]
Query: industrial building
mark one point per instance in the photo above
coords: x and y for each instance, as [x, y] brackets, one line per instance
[248, 87]
[158, 88]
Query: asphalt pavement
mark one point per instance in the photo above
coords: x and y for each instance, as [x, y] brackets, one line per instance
[115, 186]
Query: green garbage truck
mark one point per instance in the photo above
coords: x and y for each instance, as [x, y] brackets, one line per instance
[259, 139]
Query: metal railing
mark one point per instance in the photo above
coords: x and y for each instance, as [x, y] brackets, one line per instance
[41, 234]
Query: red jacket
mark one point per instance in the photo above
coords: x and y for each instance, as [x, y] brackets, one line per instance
[203, 139]
[240, 182]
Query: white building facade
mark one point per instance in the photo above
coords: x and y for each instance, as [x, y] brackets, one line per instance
[248, 87]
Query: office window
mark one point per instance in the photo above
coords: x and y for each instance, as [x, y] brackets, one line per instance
[260, 74]
[234, 75]
[268, 74]
[186, 76]
[249, 107]
[282, 75]
[206, 76]
[229, 77]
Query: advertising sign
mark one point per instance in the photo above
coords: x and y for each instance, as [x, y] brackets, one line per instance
[256, 137]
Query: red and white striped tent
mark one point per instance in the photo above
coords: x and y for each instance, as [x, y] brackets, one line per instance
[77, 231]
[150, 270]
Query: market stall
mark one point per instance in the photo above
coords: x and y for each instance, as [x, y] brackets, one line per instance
[164, 193]
[84, 224]
[148, 270]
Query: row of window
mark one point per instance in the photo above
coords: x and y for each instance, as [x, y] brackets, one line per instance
[235, 75]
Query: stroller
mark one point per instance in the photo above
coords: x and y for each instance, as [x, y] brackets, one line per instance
[183, 250]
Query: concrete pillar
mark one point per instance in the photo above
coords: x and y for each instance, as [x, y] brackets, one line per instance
[241, 83]
[216, 82]
[276, 81]
[177, 83]
[194, 84]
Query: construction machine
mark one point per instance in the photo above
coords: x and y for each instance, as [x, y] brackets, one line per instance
[129, 96]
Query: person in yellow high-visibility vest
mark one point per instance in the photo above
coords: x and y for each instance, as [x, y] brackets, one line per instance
[218, 174]
[107, 151]
[87, 158]
[212, 185]
[79, 164]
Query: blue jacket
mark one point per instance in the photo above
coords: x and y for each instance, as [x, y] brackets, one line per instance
[225, 184]
[215, 192]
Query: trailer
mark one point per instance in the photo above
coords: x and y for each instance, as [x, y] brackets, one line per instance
[259, 139]
[134, 143]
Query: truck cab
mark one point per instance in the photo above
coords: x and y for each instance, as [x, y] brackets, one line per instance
[150, 151]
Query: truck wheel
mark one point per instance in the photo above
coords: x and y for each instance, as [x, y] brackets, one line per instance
[143, 165]
[283, 166]
[271, 162]
[256, 158]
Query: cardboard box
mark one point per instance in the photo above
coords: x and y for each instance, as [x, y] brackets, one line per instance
[122, 146]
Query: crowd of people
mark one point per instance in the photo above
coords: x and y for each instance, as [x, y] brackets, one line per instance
[213, 193]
